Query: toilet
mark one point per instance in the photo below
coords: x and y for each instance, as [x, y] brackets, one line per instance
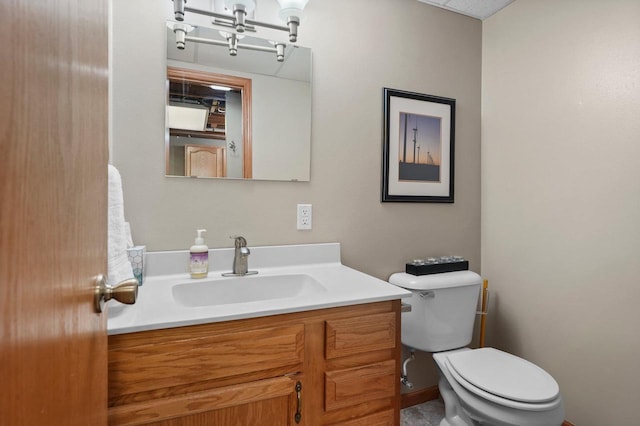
[482, 386]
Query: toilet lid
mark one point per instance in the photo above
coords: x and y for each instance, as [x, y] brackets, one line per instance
[504, 375]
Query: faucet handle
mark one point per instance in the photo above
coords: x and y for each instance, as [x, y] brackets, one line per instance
[240, 241]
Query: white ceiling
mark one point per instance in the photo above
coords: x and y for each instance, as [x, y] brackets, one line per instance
[480, 9]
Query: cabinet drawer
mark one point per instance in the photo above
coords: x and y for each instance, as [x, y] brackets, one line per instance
[199, 357]
[361, 334]
[344, 388]
[261, 398]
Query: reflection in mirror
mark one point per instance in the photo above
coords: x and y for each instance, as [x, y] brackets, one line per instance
[206, 115]
[244, 116]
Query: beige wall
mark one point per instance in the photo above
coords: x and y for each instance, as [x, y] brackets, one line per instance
[360, 46]
[561, 196]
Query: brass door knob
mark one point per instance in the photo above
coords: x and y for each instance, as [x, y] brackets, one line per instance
[124, 292]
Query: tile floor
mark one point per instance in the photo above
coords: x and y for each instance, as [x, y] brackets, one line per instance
[427, 414]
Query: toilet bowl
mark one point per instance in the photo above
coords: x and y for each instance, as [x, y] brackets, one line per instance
[479, 386]
[490, 387]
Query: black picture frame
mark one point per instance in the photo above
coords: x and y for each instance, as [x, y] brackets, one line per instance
[409, 175]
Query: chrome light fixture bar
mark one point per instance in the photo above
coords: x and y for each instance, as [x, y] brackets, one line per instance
[181, 29]
[290, 11]
[232, 43]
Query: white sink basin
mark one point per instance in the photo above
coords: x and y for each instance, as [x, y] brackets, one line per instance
[294, 278]
[253, 288]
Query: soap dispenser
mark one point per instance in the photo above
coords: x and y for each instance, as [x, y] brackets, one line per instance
[199, 257]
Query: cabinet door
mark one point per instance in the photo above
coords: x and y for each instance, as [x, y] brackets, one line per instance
[205, 161]
[157, 363]
[271, 402]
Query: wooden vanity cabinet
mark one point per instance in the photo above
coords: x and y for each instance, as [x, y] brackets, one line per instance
[337, 366]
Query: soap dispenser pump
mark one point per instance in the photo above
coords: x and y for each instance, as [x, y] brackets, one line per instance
[199, 257]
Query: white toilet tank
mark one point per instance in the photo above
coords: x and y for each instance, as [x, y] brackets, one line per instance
[443, 309]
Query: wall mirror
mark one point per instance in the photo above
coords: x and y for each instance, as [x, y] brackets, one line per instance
[245, 117]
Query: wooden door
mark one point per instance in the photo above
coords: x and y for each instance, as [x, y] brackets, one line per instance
[205, 161]
[53, 180]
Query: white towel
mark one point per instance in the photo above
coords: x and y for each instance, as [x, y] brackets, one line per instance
[119, 268]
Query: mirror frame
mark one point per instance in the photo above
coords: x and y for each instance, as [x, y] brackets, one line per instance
[242, 84]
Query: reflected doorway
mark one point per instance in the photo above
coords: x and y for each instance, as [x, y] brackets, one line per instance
[208, 124]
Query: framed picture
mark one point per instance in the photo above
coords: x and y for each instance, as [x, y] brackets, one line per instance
[418, 151]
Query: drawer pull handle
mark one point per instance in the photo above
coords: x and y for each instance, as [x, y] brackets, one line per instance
[298, 415]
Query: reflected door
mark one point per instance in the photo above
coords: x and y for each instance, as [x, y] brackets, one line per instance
[205, 161]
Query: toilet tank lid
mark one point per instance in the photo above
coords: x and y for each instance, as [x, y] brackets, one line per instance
[435, 281]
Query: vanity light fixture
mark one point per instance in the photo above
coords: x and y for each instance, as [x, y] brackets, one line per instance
[231, 43]
[290, 12]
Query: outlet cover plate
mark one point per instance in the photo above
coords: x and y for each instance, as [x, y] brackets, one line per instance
[304, 217]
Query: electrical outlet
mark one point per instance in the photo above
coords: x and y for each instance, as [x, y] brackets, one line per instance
[305, 213]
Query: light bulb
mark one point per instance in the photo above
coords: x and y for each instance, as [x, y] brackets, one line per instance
[290, 8]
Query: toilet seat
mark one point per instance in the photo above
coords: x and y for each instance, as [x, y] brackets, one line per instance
[504, 379]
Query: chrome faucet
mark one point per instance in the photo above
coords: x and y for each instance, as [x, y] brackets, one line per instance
[240, 259]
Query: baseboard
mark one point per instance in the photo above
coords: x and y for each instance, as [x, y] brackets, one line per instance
[429, 394]
[418, 397]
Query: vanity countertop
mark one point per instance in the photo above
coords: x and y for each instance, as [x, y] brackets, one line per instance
[157, 308]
